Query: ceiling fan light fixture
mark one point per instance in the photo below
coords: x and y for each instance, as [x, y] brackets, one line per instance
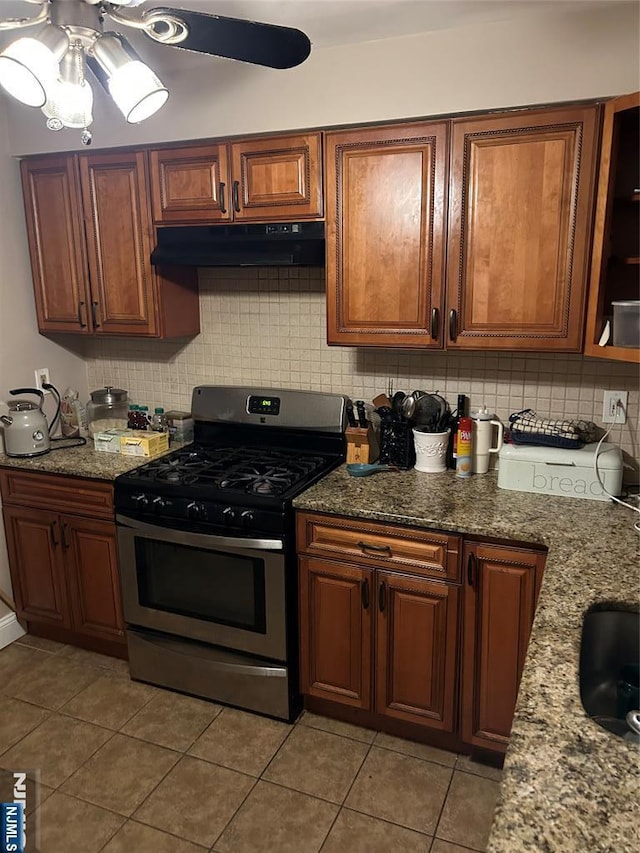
[70, 97]
[28, 66]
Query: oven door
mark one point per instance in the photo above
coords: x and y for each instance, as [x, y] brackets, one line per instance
[221, 590]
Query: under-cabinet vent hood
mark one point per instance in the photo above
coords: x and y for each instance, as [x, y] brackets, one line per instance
[273, 244]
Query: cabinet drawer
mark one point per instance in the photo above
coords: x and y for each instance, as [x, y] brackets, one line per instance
[57, 492]
[422, 552]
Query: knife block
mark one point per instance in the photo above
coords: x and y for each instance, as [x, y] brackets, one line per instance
[362, 444]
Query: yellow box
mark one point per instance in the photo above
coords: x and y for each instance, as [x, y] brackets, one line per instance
[139, 442]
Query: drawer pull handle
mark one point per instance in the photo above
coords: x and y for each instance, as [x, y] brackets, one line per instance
[236, 196]
[369, 546]
[453, 317]
[52, 532]
[94, 315]
[435, 324]
[81, 321]
[365, 593]
[471, 569]
[382, 596]
[63, 530]
[223, 208]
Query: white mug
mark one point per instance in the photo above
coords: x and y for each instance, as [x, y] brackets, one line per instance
[483, 432]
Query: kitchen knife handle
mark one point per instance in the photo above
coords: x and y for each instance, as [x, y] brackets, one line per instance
[382, 596]
[435, 323]
[384, 549]
[94, 315]
[221, 187]
[81, 315]
[236, 196]
[471, 569]
[52, 533]
[362, 415]
[364, 591]
[351, 419]
[453, 317]
[63, 531]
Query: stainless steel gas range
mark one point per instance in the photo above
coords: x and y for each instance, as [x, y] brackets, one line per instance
[207, 551]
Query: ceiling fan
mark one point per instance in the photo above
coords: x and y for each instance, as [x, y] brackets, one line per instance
[48, 69]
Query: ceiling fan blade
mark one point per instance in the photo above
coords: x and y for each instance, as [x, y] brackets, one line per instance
[233, 38]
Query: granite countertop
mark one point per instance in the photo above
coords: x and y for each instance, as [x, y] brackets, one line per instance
[568, 785]
[82, 461]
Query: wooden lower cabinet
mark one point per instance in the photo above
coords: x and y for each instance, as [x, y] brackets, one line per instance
[500, 596]
[64, 566]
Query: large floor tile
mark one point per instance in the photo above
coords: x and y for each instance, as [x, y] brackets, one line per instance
[337, 727]
[116, 665]
[138, 838]
[17, 719]
[400, 788]
[358, 833]
[15, 662]
[440, 846]
[52, 681]
[109, 701]
[57, 747]
[196, 800]
[241, 741]
[67, 825]
[468, 812]
[417, 750]
[121, 774]
[172, 720]
[466, 764]
[317, 763]
[41, 643]
[277, 820]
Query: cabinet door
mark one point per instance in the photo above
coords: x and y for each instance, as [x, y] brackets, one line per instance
[520, 206]
[416, 650]
[616, 244]
[499, 603]
[335, 631]
[91, 557]
[278, 178]
[386, 217]
[36, 564]
[53, 209]
[116, 205]
[190, 184]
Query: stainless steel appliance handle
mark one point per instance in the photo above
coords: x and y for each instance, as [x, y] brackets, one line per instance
[205, 539]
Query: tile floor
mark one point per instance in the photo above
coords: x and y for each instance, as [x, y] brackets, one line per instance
[126, 767]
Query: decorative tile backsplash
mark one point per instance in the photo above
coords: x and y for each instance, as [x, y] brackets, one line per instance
[267, 327]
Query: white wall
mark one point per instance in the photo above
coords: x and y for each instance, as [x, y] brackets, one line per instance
[22, 349]
[551, 56]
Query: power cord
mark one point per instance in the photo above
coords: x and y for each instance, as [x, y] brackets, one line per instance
[636, 526]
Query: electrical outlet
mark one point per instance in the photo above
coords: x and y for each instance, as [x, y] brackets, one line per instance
[612, 413]
[42, 376]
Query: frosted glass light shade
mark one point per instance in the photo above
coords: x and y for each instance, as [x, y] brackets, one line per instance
[70, 103]
[137, 91]
[29, 65]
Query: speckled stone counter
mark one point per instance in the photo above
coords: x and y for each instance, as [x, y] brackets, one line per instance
[568, 785]
[81, 461]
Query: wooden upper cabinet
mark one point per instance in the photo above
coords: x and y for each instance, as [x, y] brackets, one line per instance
[616, 244]
[116, 204]
[272, 179]
[520, 207]
[55, 229]
[499, 604]
[190, 184]
[386, 215]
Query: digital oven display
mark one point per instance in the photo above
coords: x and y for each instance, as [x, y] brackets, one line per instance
[264, 405]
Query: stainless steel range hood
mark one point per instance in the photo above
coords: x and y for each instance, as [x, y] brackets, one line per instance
[273, 244]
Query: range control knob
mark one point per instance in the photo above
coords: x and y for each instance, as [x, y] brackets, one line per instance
[229, 516]
[159, 504]
[196, 510]
[246, 518]
[141, 501]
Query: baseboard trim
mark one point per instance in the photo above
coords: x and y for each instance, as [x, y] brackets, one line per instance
[10, 630]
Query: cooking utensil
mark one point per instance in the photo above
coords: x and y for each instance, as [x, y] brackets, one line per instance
[396, 405]
[362, 415]
[351, 418]
[364, 469]
[381, 400]
[26, 432]
[409, 404]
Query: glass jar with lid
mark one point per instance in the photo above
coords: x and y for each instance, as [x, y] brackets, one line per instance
[107, 409]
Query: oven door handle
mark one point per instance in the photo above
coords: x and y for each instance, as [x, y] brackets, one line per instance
[206, 540]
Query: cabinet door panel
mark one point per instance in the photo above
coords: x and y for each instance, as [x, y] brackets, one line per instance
[94, 583]
[500, 598]
[385, 232]
[53, 209]
[37, 574]
[115, 196]
[190, 184]
[520, 214]
[416, 643]
[278, 178]
[335, 626]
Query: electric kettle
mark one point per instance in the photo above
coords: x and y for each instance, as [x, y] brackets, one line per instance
[26, 432]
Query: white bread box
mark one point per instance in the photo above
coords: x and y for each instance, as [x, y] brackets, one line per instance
[555, 471]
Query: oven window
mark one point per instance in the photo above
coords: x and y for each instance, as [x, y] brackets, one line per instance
[224, 588]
